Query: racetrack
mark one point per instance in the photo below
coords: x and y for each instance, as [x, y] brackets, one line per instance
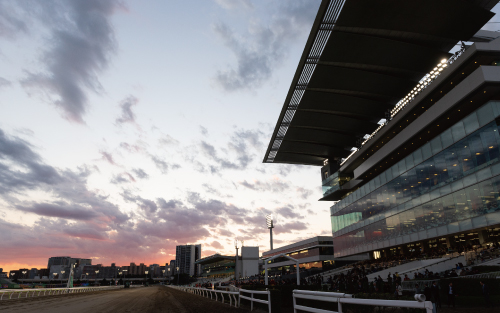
[141, 299]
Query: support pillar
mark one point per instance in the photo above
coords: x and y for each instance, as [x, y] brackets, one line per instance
[483, 236]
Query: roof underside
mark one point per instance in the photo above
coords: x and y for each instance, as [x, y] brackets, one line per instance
[361, 58]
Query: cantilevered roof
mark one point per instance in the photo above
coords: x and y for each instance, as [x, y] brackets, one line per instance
[361, 58]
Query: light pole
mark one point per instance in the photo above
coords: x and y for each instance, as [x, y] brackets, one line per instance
[95, 280]
[12, 274]
[146, 278]
[177, 275]
[270, 225]
[62, 274]
[236, 260]
[87, 274]
[24, 274]
[124, 276]
[169, 274]
[163, 271]
[54, 275]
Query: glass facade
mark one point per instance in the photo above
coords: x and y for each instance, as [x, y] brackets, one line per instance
[434, 187]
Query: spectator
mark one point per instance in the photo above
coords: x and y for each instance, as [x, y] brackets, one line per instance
[435, 293]
[399, 290]
[451, 295]
[486, 294]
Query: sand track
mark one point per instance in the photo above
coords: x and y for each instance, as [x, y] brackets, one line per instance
[141, 299]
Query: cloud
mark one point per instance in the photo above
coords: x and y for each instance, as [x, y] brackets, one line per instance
[122, 178]
[163, 166]
[304, 193]
[80, 47]
[204, 131]
[217, 245]
[108, 157]
[140, 173]
[232, 4]
[288, 212]
[127, 115]
[263, 48]
[62, 210]
[168, 140]
[4, 82]
[274, 185]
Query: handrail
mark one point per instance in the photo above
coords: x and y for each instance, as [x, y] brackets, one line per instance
[51, 291]
[341, 298]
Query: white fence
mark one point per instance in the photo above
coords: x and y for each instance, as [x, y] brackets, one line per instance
[29, 293]
[342, 298]
[252, 299]
[213, 293]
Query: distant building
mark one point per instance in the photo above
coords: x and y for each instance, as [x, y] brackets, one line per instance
[185, 258]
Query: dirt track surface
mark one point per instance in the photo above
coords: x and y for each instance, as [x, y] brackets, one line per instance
[141, 299]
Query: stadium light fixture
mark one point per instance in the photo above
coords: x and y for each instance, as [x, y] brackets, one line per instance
[270, 225]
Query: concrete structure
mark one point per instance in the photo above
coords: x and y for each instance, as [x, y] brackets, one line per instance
[185, 258]
[405, 131]
[315, 253]
[217, 266]
[248, 263]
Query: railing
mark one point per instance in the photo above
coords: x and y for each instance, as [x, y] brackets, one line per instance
[230, 294]
[29, 293]
[483, 275]
[410, 284]
[342, 298]
[252, 299]
[319, 296]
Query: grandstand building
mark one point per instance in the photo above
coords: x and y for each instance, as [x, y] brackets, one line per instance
[398, 102]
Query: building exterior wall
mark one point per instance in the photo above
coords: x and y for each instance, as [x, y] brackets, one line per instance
[185, 257]
[447, 186]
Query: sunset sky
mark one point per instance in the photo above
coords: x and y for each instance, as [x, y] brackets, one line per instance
[130, 127]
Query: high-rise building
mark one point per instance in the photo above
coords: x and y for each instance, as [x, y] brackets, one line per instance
[406, 131]
[185, 257]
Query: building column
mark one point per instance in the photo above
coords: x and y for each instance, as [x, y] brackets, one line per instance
[450, 241]
[483, 236]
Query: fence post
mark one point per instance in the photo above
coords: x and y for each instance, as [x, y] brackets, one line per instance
[269, 299]
[251, 302]
[239, 298]
[339, 305]
[294, 302]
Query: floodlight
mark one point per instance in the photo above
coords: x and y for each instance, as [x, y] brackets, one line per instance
[269, 221]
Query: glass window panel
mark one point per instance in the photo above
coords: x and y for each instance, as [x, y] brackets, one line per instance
[402, 166]
[409, 161]
[458, 131]
[465, 156]
[395, 170]
[477, 151]
[474, 200]
[436, 146]
[461, 209]
[389, 175]
[470, 123]
[383, 179]
[446, 138]
[489, 141]
[495, 105]
[417, 157]
[469, 180]
[485, 114]
[426, 151]
[483, 174]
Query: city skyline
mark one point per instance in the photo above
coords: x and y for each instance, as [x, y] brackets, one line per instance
[129, 129]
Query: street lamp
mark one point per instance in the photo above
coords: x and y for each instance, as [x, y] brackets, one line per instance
[177, 275]
[24, 274]
[169, 274]
[62, 274]
[163, 271]
[124, 275]
[270, 225]
[95, 280]
[54, 275]
[146, 272]
[87, 277]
